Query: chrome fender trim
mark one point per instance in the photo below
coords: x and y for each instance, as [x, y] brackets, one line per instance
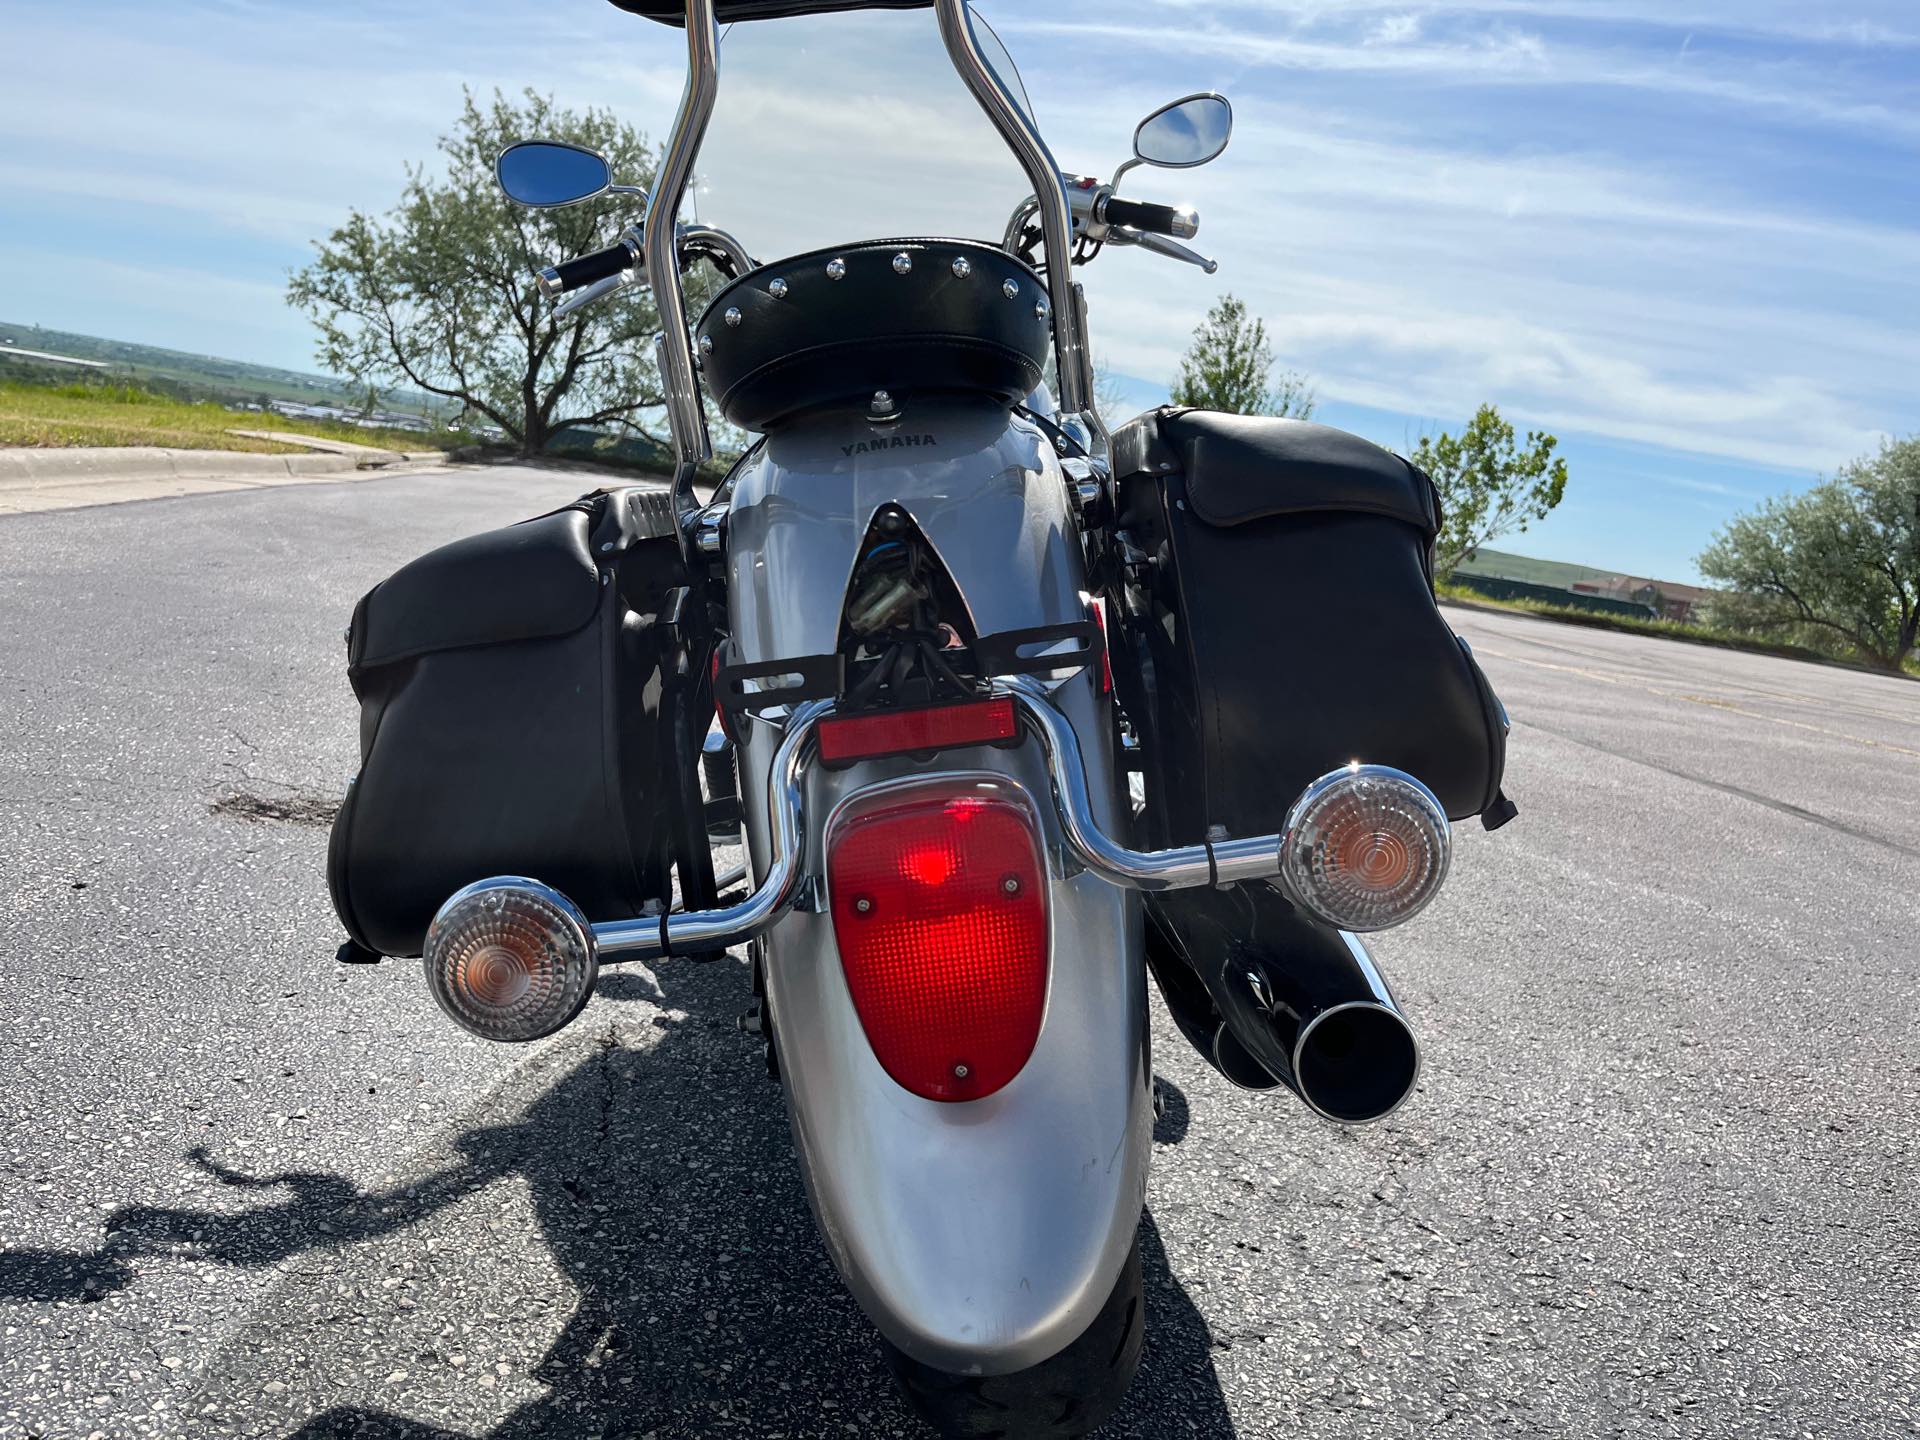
[1080, 836]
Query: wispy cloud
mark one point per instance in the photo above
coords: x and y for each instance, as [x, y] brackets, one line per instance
[1682, 225]
[1504, 56]
[249, 308]
[1889, 24]
[1397, 29]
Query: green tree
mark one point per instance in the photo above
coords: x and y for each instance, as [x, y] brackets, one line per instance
[438, 294]
[1229, 367]
[1490, 485]
[1839, 564]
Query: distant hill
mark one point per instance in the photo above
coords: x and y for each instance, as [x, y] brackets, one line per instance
[209, 376]
[1505, 576]
[1500, 565]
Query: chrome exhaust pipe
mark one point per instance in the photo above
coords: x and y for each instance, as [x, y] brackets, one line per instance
[1295, 1004]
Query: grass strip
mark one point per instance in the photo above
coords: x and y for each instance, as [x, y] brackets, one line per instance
[63, 416]
[1664, 629]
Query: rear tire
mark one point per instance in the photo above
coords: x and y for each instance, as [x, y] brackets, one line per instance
[1071, 1394]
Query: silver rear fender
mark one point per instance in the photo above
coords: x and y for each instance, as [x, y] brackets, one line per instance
[984, 489]
[980, 1237]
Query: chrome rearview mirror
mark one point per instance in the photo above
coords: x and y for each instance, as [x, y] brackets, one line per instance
[1186, 133]
[549, 174]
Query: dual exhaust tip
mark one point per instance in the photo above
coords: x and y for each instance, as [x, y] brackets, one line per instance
[1353, 1064]
[1279, 998]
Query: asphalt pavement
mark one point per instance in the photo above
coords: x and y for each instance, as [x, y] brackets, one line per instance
[1658, 1178]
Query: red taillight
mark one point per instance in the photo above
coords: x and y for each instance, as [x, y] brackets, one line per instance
[939, 901]
[846, 738]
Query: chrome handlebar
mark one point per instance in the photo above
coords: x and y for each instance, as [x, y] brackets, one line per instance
[694, 242]
[1088, 204]
[580, 299]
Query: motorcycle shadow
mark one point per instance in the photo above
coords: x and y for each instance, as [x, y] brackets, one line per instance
[658, 1173]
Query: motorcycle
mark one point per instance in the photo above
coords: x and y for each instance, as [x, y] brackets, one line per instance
[973, 723]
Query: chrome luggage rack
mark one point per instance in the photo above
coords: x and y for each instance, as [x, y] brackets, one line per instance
[693, 932]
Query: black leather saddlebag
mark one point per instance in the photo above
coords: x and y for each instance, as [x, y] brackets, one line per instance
[513, 705]
[1281, 622]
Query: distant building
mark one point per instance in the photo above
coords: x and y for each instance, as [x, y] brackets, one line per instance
[1669, 599]
[1672, 599]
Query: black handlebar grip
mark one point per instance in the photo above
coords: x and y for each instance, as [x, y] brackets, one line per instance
[600, 265]
[1154, 219]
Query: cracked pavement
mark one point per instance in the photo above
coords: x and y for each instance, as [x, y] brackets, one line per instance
[1658, 1179]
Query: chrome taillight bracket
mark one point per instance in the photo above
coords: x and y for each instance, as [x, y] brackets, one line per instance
[786, 886]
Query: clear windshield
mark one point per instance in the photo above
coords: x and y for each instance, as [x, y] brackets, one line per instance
[834, 129]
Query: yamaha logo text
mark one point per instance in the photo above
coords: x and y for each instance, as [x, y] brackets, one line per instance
[893, 442]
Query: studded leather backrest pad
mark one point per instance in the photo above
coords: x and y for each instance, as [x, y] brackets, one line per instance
[911, 317]
[674, 12]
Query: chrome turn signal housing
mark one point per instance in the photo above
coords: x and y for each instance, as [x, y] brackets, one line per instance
[1365, 848]
[511, 959]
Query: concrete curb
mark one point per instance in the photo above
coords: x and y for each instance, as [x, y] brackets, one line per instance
[33, 481]
[368, 457]
[145, 462]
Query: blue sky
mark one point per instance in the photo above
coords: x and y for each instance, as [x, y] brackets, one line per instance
[1682, 234]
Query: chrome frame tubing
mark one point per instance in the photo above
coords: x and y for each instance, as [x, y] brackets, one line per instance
[1023, 212]
[1049, 188]
[698, 237]
[673, 351]
[1214, 862]
[711, 931]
